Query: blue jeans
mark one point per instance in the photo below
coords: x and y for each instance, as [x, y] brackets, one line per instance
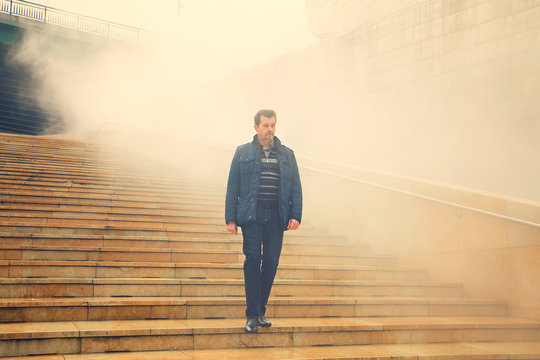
[260, 266]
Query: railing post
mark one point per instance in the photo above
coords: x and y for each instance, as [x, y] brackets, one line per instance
[45, 15]
[10, 7]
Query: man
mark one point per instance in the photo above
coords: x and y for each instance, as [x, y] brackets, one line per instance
[264, 198]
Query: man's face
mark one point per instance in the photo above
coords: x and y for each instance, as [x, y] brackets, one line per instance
[266, 130]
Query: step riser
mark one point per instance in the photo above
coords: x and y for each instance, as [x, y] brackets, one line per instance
[13, 187]
[219, 290]
[62, 186]
[42, 207]
[99, 182]
[234, 258]
[160, 257]
[40, 346]
[100, 231]
[233, 244]
[174, 244]
[142, 312]
[61, 199]
[104, 177]
[46, 224]
[74, 198]
[169, 232]
[129, 342]
[51, 271]
[57, 217]
[74, 210]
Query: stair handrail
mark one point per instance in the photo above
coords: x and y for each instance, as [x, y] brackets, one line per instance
[346, 177]
[425, 197]
[50, 15]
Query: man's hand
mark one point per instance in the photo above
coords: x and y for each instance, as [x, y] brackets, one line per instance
[232, 228]
[293, 224]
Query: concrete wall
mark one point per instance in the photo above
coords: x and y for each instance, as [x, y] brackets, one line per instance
[493, 258]
[334, 18]
[445, 91]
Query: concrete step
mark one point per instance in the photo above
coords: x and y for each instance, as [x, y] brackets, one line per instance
[129, 254]
[113, 222]
[105, 218]
[115, 269]
[56, 198]
[117, 214]
[36, 210]
[155, 335]
[139, 231]
[76, 157]
[88, 167]
[140, 308]
[136, 287]
[461, 350]
[128, 217]
[60, 200]
[63, 228]
[106, 177]
[70, 186]
[102, 178]
[227, 242]
[108, 196]
[112, 174]
[72, 210]
[112, 227]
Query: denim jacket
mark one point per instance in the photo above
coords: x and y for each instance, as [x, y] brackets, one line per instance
[243, 184]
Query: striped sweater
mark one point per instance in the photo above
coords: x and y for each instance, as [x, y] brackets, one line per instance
[270, 177]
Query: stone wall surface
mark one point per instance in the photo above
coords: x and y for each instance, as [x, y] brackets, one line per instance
[445, 91]
[332, 18]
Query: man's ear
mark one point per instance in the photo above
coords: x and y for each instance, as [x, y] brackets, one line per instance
[256, 127]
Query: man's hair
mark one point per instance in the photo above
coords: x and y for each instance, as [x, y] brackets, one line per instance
[265, 112]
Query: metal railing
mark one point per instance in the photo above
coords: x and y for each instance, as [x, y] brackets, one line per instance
[49, 15]
[429, 198]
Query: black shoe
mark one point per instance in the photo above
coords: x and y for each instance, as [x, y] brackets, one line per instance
[263, 322]
[251, 326]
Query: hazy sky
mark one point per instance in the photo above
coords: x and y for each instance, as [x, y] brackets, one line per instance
[247, 31]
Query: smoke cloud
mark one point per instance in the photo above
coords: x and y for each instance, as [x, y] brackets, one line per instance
[430, 109]
[168, 100]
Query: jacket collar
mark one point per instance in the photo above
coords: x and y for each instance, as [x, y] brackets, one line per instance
[277, 142]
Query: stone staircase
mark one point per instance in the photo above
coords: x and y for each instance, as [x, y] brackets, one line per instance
[104, 258]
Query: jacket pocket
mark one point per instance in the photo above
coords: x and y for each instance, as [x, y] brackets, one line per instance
[286, 169]
[247, 164]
